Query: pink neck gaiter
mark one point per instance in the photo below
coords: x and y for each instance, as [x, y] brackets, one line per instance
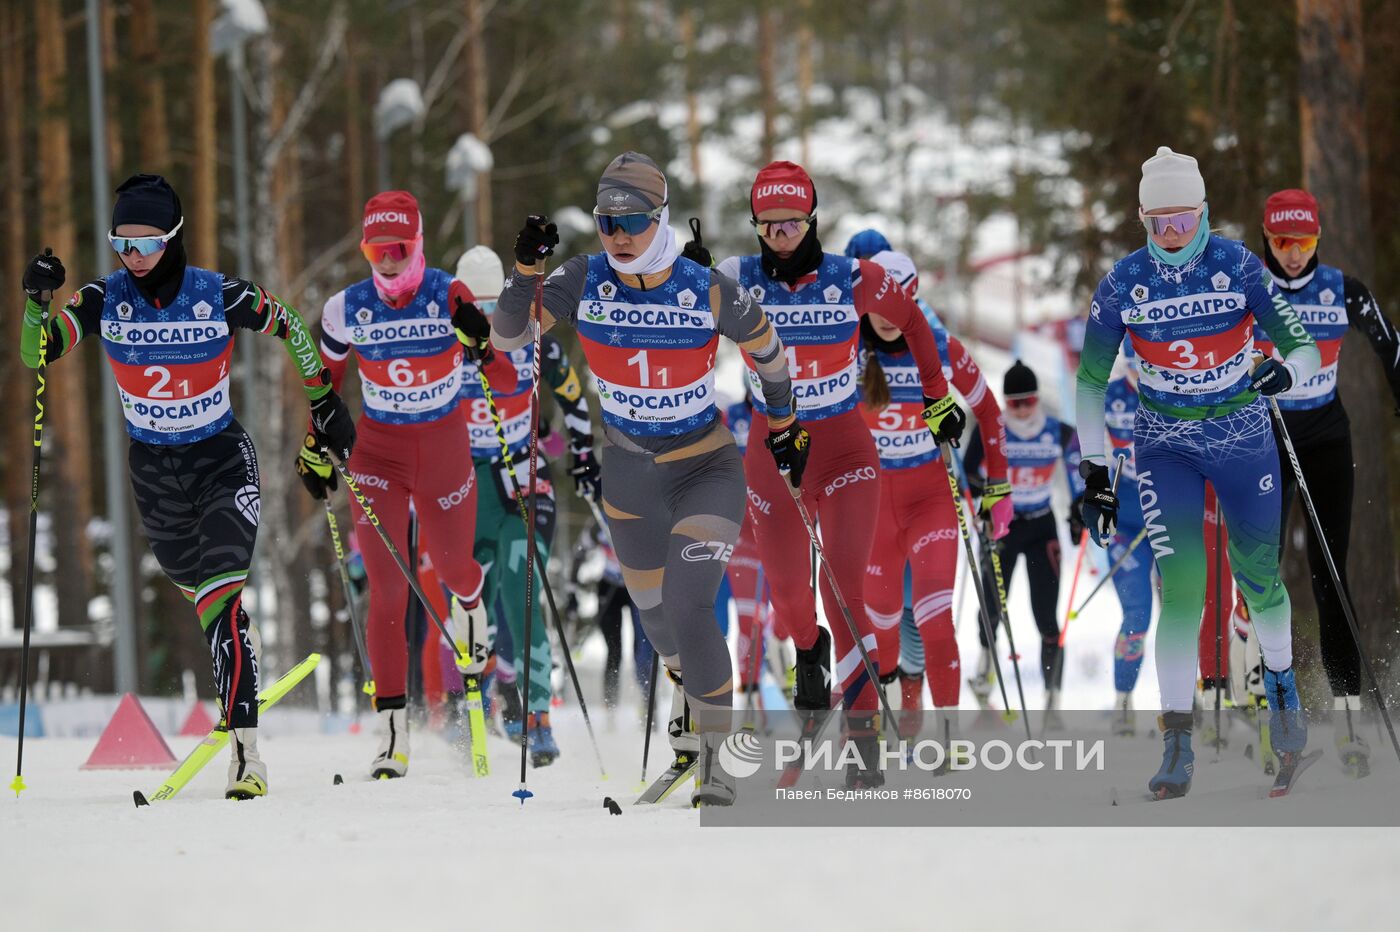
[406, 282]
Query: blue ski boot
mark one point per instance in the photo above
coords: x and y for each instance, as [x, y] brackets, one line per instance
[1178, 760]
[1288, 724]
[543, 750]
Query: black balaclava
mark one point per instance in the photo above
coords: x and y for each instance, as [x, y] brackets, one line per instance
[1286, 282]
[149, 200]
[807, 257]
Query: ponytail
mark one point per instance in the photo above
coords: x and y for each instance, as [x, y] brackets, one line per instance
[875, 389]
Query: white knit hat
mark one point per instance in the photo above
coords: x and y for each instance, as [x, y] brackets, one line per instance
[1170, 179]
[900, 267]
[480, 270]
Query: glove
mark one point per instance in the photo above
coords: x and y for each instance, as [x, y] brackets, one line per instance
[997, 509]
[945, 419]
[1271, 377]
[43, 273]
[536, 240]
[473, 328]
[1076, 520]
[331, 425]
[695, 250]
[1099, 506]
[789, 449]
[588, 480]
[315, 470]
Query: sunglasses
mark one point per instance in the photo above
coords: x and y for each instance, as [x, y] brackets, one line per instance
[396, 250]
[631, 224]
[1026, 402]
[1183, 223]
[1285, 243]
[145, 245]
[790, 228]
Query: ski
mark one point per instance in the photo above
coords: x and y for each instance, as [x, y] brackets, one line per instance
[1291, 765]
[213, 742]
[663, 786]
[476, 725]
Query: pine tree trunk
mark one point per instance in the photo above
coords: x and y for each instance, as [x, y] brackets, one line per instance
[1332, 105]
[153, 147]
[16, 381]
[767, 89]
[204, 215]
[70, 457]
[354, 142]
[477, 111]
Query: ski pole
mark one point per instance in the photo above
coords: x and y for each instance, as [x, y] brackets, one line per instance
[1074, 584]
[537, 318]
[408, 574]
[355, 626]
[982, 613]
[1117, 565]
[870, 670]
[45, 297]
[539, 560]
[1342, 595]
[1219, 516]
[651, 710]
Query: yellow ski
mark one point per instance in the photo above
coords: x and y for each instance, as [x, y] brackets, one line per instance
[214, 741]
[476, 722]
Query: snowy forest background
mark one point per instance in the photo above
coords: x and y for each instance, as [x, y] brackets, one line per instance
[998, 142]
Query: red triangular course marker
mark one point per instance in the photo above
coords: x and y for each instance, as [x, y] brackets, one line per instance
[197, 723]
[129, 741]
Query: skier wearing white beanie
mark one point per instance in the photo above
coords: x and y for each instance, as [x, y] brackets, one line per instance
[1170, 179]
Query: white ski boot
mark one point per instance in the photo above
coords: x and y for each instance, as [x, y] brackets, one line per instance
[1124, 725]
[247, 774]
[1053, 722]
[392, 760]
[1353, 749]
[471, 631]
[713, 784]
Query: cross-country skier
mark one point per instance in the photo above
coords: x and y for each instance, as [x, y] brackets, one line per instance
[918, 526]
[1035, 444]
[1329, 302]
[167, 328]
[816, 300]
[1189, 300]
[409, 327]
[1133, 579]
[500, 531]
[673, 488]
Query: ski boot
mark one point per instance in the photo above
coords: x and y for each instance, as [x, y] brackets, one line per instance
[471, 633]
[1288, 724]
[1173, 779]
[391, 761]
[713, 784]
[543, 750]
[680, 730]
[247, 774]
[1351, 747]
[1204, 707]
[911, 697]
[981, 682]
[512, 710]
[1124, 725]
[945, 730]
[812, 687]
[863, 732]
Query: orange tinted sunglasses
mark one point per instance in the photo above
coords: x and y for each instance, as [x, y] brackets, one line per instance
[1285, 243]
[397, 250]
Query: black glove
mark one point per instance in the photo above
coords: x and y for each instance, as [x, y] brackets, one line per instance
[332, 426]
[945, 419]
[789, 448]
[536, 240]
[473, 329]
[1271, 377]
[588, 479]
[695, 250]
[43, 273]
[315, 469]
[1099, 506]
[1076, 520]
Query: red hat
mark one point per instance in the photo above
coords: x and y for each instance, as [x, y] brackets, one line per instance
[1293, 211]
[392, 213]
[783, 185]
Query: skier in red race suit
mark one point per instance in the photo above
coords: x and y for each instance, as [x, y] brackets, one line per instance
[917, 523]
[816, 300]
[408, 326]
